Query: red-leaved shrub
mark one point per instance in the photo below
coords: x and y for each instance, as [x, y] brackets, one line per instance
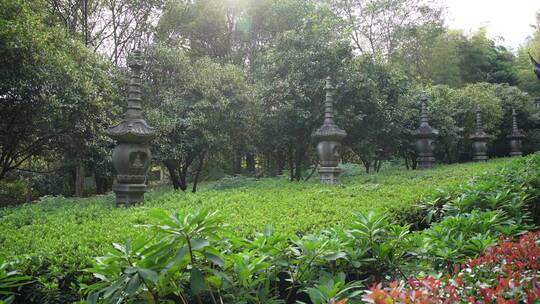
[507, 273]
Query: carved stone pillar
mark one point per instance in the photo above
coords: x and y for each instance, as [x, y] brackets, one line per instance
[131, 157]
[479, 140]
[329, 137]
[425, 137]
[515, 138]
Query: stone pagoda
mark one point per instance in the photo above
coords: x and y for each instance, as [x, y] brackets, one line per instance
[131, 157]
[479, 139]
[515, 138]
[425, 137]
[329, 137]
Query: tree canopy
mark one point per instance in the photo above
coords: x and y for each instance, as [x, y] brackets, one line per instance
[237, 86]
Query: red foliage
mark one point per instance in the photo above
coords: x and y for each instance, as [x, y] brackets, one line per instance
[506, 273]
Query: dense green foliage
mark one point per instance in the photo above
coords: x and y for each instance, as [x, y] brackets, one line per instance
[60, 235]
[237, 86]
[192, 256]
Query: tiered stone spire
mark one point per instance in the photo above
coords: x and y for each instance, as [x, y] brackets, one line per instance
[131, 158]
[515, 138]
[425, 135]
[479, 139]
[329, 136]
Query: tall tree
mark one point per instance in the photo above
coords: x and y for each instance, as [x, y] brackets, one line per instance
[110, 27]
[48, 84]
[290, 77]
[381, 27]
[197, 105]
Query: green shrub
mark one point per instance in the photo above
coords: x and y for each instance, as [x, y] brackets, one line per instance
[514, 190]
[462, 236]
[10, 281]
[62, 235]
[13, 192]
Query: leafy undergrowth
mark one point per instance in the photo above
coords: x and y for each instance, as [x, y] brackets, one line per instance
[328, 264]
[66, 229]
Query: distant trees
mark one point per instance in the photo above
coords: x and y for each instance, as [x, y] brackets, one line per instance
[449, 57]
[237, 86]
[109, 27]
[290, 80]
[451, 111]
[56, 96]
[527, 80]
[199, 107]
[380, 28]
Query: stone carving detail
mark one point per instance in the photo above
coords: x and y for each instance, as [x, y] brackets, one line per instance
[131, 157]
[515, 138]
[329, 137]
[479, 140]
[425, 138]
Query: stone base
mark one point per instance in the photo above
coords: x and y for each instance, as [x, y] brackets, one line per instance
[129, 194]
[425, 162]
[480, 158]
[516, 154]
[329, 175]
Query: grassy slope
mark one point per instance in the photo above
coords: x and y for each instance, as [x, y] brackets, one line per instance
[69, 231]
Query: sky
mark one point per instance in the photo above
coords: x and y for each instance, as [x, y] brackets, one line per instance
[508, 19]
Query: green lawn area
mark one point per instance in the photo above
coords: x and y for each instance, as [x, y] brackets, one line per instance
[68, 232]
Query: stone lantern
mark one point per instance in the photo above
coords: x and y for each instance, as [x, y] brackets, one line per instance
[515, 137]
[479, 140]
[425, 136]
[329, 137]
[131, 157]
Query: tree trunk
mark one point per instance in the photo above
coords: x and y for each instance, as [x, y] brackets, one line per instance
[198, 173]
[237, 162]
[298, 164]
[366, 163]
[290, 159]
[79, 181]
[171, 167]
[250, 162]
[280, 162]
[406, 162]
[414, 163]
[183, 174]
[100, 184]
[379, 166]
[316, 165]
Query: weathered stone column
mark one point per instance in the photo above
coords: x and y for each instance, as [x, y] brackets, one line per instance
[515, 138]
[329, 136]
[131, 158]
[425, 137]
[479, 140]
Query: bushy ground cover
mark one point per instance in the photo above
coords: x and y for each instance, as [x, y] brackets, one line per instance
[192, 258]
[59, 226]
[61, 236]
